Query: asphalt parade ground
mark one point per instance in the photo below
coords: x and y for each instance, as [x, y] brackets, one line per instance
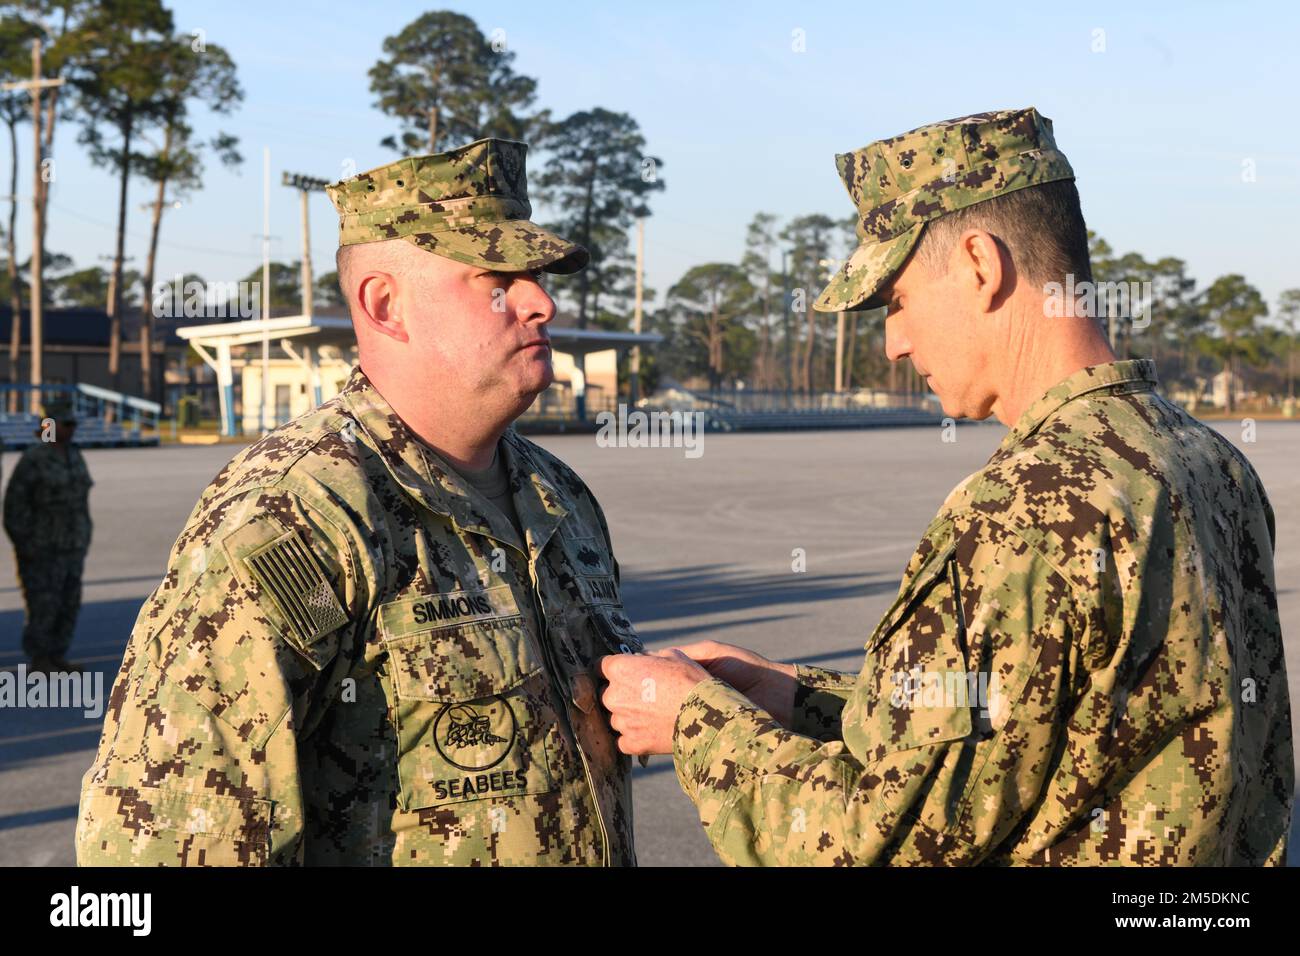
[709, 548]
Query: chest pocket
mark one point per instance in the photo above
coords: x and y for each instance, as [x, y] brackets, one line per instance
[915, 689]
[471, 709]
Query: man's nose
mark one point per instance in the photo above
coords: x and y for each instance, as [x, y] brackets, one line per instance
[534, 303]
[897, 345]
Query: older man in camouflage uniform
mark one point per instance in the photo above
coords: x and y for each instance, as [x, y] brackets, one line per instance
[47, 517]
[1084, 663]
[378, 638]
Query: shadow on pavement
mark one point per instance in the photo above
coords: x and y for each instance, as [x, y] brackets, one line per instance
[31, 818]
[32, 734]
[716, 589]
[139, 579]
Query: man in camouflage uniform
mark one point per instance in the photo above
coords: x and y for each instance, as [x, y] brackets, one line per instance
[1084, 663]
[47, 517]
[378, 638]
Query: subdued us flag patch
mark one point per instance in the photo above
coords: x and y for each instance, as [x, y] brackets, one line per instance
[290, 574]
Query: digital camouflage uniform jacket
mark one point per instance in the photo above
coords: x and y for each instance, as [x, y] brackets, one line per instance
[47, 502]
[1107, 581]
[353, 659]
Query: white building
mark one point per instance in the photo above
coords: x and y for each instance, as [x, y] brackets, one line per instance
[309, 358]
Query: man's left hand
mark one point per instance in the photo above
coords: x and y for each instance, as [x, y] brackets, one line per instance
[644, 696]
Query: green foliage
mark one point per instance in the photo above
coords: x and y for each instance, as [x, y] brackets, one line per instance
[117, 65]
[191, 77]
[705, 308]
[16, 34]
[88, 288]
[596, 182]
[442, 66]
[286, 286]
[815, 247]
[326, 291]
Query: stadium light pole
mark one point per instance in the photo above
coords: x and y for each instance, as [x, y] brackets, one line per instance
[634, 362]
[305, 185]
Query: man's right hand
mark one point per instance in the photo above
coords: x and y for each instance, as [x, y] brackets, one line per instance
[769, 684]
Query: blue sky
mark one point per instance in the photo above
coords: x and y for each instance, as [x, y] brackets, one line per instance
[1159, 125]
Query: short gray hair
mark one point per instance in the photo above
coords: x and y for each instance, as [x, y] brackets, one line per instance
[1042, 228]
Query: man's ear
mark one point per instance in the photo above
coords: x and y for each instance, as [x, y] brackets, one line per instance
[378, 305]
[982, 268]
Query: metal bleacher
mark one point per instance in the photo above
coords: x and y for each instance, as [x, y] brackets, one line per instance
[105, 419]
[750, 410]
[728, 421]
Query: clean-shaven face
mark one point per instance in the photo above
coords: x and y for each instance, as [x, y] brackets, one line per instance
[481, 331]
[931, 321]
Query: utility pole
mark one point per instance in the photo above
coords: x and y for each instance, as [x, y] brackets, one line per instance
[785, 322]
[832, 267]
[266, 285]
[767, 375]
[305, 185]
[37, 347]
[848, 356]
[634, 361]
[839, 351]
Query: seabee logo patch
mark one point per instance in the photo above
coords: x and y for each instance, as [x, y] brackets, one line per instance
[475, 736]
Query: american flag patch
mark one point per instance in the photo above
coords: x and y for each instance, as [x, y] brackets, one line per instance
[290, 574]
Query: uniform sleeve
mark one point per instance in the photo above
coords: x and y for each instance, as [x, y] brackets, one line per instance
[232, 663]
[819, 701]
[18, 502]
[946, 739]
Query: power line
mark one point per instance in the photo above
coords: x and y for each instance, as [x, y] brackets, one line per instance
[135, 235]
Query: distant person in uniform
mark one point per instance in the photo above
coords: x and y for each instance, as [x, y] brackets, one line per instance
[47, 517]
[1084, 663]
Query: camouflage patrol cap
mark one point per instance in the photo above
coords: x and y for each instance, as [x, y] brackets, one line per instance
[901, 183]
[59, 409]
[468, 204]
